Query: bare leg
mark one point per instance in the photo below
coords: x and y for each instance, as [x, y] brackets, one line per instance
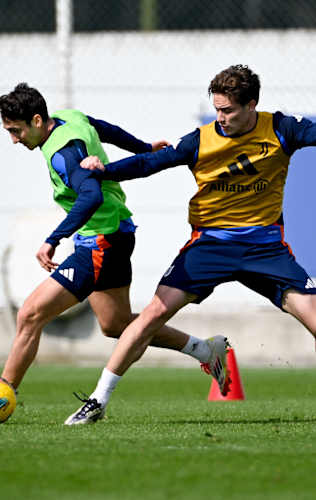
[113, 311]
[45, 303]
[133, 342]
[140, 333]
[303, 308]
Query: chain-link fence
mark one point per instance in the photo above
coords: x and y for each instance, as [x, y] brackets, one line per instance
[55, 40]
[28, 16]
[193, 15]
[121, 43]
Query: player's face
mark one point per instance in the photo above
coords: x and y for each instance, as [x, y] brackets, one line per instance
[30, 135]
[232, 116]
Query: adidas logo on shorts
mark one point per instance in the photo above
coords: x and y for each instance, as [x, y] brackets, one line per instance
[311, 283]
[169, 271]
[68, 273]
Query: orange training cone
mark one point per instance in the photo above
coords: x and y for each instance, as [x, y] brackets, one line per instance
[236, 387]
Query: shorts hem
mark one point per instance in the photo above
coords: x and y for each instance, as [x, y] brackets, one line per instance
[67, 285]
[199, 297]
[304, 291]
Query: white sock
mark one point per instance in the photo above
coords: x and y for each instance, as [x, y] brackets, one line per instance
[105, 386]
[197, 348]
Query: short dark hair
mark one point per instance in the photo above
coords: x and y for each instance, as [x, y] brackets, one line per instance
[238, 82]
[23, 103]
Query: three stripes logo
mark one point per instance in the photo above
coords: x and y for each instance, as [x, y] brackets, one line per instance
[169, 271]
[311, 283]
[68, 273]
[264, 148]
[242, 167]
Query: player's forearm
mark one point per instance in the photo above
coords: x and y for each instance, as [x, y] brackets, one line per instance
[78, 216]
[142, 165]
[112, 134]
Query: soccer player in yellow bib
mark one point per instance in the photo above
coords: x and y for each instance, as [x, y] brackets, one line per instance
[240, 164]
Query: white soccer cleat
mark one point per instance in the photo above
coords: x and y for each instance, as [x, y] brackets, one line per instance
[89, 413]
[216, 364]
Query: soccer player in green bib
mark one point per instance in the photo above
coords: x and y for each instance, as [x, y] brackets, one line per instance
[100, 267]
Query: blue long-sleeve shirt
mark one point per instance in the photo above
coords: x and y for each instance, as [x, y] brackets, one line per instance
[86, 184]
[293, 133]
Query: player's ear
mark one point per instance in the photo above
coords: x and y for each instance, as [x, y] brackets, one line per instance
[37, 121]
[252, 105]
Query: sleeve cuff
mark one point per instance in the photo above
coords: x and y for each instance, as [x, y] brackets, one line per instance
[52, 241]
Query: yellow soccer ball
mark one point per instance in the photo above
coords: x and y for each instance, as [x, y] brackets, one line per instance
[7, 401]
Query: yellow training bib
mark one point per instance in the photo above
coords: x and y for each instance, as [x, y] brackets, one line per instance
[240, 179]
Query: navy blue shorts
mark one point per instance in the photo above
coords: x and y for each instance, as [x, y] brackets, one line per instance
[205, 262]
[105, 264]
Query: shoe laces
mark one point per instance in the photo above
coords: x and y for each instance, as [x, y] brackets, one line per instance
[90, 404]
[227, 343]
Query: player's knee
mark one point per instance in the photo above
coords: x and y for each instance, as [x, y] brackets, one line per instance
[25, 316]
[114, 327]
[29, 315]
[157, 311]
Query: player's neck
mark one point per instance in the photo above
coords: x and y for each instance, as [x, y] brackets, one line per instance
[48, 128]
[252, 122]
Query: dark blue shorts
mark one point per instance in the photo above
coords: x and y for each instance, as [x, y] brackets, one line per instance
[104, 265]
[205, 262]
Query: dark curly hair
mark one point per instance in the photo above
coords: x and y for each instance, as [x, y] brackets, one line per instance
[23, 103]
[238, 82]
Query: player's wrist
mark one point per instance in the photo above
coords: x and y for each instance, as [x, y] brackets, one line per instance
[52, 241]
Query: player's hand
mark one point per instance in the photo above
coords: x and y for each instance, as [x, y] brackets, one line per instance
[45, 255]
[159, 145]
[92, 163]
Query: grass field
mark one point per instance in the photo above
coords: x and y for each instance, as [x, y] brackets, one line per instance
[162, 439]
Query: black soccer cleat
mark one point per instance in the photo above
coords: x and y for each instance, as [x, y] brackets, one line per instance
[89, 413]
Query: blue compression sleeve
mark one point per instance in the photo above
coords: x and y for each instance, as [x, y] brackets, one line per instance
[112, 134]
[66, 162]
[146, 164]
[294, 132]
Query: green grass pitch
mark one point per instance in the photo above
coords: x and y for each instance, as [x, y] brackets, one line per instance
[162, 439]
